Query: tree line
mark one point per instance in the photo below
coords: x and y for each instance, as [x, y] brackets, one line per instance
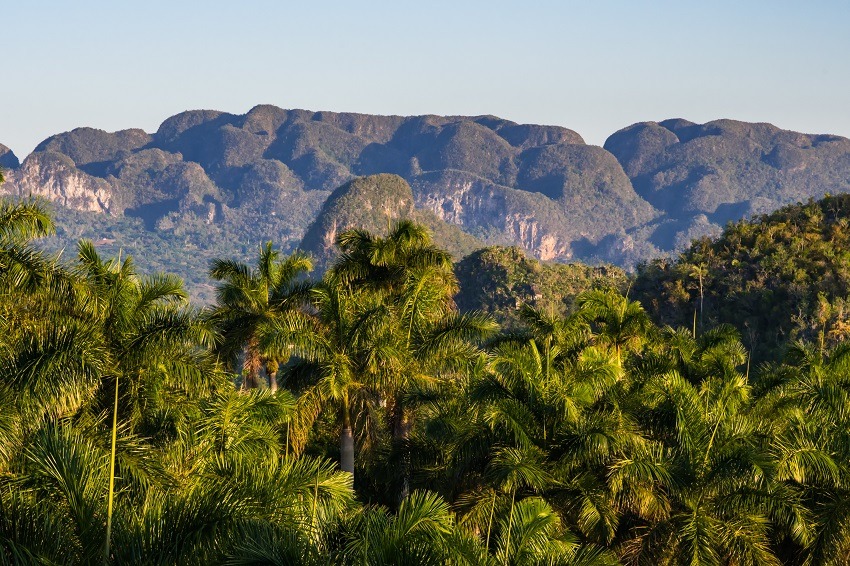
[360, 418]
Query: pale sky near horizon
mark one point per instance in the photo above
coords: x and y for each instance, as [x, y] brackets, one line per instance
[592, 66]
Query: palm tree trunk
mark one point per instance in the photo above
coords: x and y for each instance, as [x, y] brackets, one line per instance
[252, 363]
[107, 550]
[346, 442]
[315, 500]
[694, 333]
[272, 367]
[402, 424]
[701, 297]
[490, 522]
[510, 526]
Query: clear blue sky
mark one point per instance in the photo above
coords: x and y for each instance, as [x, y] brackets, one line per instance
[593, 66]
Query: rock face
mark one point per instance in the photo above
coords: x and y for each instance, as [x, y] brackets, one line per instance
[651, 188]
[55, 177]
[539, 187]
[495, 213]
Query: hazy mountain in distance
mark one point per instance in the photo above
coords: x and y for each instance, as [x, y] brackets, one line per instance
[210, 182]
[8, 160]
[725, 170]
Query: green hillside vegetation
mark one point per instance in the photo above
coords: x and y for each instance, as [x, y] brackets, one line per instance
[182, 248]
[372, 203]
[362, 418]
[500, 281]
[779, 278]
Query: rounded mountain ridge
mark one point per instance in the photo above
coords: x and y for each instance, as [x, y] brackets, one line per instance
[266, 174]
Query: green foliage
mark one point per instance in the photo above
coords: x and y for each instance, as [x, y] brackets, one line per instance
[405, 431]
[499, 281]
[777, 278]
[373, 203]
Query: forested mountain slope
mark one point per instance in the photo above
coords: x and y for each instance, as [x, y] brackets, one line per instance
[209, 177]
[725, 170]
[373, 203]
[781, 277]
[501, 281]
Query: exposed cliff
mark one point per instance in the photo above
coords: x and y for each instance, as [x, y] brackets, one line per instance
[55, 177]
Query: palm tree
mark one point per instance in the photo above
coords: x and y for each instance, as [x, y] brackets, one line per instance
[344, 348]
[414, 278]
[24, 220]
[726, 489]
[148, 332]
[618, 323]
[23, 267]
[112, 344]
[802, 411]
[384, 264]
[698, 271]
[127, 349]
[249, 298]
[532, 426]
[384, 322]
[423, 531]
[535, 534]
[415, 282]
[237, 509]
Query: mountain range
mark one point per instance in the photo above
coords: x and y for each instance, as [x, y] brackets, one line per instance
[209, 183]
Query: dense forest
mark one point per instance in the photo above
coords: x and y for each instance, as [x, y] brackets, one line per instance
[778, 278]
[363, 418]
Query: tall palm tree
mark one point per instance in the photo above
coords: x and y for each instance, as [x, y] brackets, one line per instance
[802, 411]
[345, 348]
[617, 322]
[384, 321]
[114, 347]
[384, 263]
[414, 279]
[415, 282]
[248, 298]
[148, 331]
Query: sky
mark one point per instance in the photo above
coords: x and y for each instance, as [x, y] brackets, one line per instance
[592, 66]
